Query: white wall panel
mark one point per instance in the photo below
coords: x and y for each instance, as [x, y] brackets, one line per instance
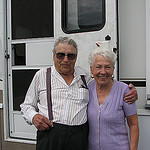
[132, 28]
[39, 53]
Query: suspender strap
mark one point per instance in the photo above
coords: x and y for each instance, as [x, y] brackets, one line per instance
[84, 81]
[49, 99]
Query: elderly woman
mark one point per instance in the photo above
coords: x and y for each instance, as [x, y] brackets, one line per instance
[107, 110]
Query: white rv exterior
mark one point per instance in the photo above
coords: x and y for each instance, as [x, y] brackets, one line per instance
[125, 30]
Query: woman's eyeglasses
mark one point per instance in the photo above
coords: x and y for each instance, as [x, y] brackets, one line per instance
[69, 55]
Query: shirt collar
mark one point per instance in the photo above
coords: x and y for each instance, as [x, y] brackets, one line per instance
[77, 71]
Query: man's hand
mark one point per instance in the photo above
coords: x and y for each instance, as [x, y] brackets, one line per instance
[132, 96]
[41, 122]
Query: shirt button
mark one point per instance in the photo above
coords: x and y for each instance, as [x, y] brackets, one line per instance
[69, 95]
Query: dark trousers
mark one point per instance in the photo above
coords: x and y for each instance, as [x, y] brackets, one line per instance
[63, 137]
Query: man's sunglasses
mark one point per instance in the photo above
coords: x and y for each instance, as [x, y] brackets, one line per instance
[69, 55]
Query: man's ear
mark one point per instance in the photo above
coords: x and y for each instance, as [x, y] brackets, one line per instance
[53, 56]
[76, 57]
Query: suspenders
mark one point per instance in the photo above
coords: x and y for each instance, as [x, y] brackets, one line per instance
[83, 79]
[49, 99]
[48, 84]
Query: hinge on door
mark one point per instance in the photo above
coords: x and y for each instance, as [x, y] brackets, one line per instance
[147, 106]
[115, 50]
[7, 56]
[148, 96]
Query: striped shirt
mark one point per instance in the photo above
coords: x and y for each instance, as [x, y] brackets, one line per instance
[69, 103]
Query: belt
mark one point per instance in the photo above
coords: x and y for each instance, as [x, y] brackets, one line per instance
[63, 126]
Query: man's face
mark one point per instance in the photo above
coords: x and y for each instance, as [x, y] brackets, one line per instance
[65, 64]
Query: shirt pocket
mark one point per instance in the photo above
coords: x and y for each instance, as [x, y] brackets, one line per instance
[43, 97]
[81, 95]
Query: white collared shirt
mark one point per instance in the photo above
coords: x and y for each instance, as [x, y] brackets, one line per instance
[69, 103]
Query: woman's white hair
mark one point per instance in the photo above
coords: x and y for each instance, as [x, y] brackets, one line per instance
[103, 52]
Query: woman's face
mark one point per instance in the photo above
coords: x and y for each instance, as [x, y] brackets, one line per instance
[102, 70]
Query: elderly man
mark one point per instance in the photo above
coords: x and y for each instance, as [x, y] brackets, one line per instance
[62, 125]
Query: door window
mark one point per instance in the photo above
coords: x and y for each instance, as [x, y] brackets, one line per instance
[83, 15]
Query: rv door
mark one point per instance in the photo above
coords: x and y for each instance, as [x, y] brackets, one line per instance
[32, 28]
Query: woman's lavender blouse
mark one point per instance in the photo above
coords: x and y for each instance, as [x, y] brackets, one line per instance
[107, 124]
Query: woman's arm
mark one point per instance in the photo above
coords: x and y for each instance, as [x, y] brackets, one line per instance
[134, 131]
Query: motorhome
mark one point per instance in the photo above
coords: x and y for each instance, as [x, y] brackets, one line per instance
[28, 29]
